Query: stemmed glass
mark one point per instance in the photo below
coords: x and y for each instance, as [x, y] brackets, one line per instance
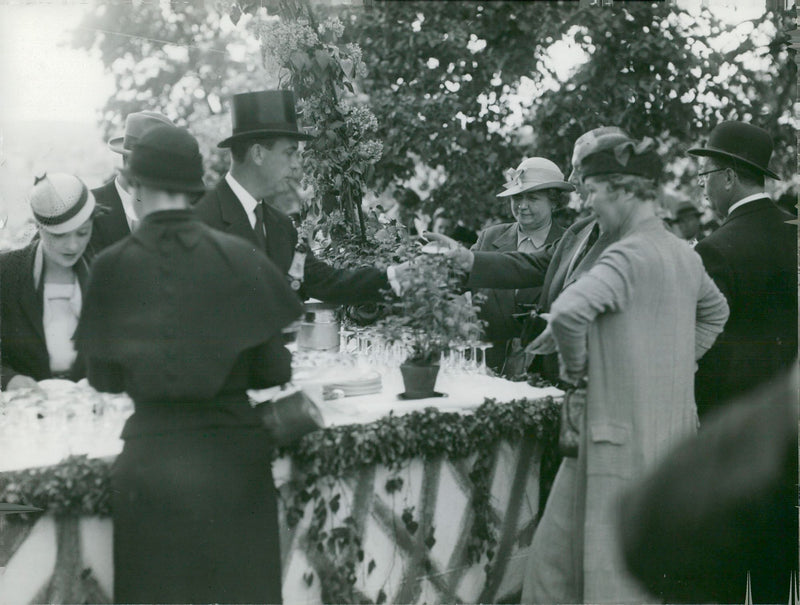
[484, 369]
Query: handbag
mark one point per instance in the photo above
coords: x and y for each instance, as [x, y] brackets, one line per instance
[290, 416]
[572, 410]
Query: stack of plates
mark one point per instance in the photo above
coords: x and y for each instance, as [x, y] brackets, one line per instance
[365, 384]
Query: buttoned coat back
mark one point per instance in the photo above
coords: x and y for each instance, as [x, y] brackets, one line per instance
[752, 257]
[221, 209]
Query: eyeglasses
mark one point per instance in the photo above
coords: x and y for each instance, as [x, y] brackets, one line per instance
[701, 175]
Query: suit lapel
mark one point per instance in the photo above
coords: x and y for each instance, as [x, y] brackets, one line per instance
[234, 218]
[507, 240]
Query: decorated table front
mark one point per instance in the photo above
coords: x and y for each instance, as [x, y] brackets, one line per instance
[406, 501]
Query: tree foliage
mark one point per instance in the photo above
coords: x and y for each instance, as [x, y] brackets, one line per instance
[459, 86]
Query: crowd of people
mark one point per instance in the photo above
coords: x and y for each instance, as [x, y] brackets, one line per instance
[177, 295]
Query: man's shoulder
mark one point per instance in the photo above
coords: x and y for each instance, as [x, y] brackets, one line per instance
[107, 194]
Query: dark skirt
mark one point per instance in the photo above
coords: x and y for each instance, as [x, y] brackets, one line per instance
[196, 519]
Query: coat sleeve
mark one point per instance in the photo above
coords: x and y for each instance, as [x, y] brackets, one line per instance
[343, 286]
[605, 288]
[510, 269]
[272, 364]
[712, 313]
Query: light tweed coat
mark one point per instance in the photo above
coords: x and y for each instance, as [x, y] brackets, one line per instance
[638, 321]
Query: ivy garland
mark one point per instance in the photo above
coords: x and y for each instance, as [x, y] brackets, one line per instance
[81, 486]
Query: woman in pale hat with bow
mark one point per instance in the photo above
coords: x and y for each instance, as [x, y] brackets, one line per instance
[534, 189]
[43, 285]
[628, 334]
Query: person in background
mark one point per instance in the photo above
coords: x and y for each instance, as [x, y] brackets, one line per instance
[722, 505]
[752, 257]
[628, 332]
[264, 157]
[43, 284]
[186, 319]
[535, 189]
[116, 196]
[687, 219]
[444, 225]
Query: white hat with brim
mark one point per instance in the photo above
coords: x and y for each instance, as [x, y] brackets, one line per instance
[61, 203]
[534, 174]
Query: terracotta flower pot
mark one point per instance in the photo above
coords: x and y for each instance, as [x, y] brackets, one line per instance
[419, 380]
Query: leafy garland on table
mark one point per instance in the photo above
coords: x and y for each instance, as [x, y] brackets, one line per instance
[81, 486]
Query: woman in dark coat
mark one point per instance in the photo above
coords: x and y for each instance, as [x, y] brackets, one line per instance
[43, 285]
[185, 319]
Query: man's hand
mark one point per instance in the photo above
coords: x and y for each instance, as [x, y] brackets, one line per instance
[21, 381]
[544, 344]
[463, 257]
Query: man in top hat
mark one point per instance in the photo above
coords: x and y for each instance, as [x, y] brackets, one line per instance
[752, 257]
[264, 159]
[535, 188]
[116, 196]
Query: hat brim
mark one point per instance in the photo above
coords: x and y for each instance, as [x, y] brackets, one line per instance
[563, 185]
[717, 153]
[166, 185]
[115, 145]
[265, 134]
[84, 214]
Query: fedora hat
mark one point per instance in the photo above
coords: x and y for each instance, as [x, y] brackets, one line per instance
[60, 202]
[534, 174]
[168, 158]
[264, 114]
[742, 142]
[136, 124]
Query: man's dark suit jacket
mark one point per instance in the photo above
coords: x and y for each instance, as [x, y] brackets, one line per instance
[221, 209]
[23, 347]
[752, 257]
[112, 225]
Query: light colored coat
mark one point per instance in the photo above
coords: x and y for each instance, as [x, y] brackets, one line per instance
[637, 321]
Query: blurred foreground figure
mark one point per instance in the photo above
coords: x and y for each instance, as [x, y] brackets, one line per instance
[721, 505]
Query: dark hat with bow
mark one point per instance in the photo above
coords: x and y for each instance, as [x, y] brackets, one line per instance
[168, 158]
[264, 114]
[627, 157]
[744, 143]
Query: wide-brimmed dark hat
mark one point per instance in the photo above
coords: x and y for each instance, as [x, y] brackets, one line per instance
[742, 142]
[168, 158]
[264, 114]
[136, 124]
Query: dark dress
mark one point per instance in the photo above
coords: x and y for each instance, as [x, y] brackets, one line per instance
[23, 347]
[185, 319]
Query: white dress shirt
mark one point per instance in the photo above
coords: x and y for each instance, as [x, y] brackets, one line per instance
[745, 200]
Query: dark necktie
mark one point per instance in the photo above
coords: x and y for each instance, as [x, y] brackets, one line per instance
[261, 238]
[590, 241]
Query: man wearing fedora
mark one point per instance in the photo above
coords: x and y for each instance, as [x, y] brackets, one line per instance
[752, 257]
[264, 159]
[116, 196]
[535, 188]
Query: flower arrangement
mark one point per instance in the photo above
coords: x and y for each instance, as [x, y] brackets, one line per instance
[431, 313]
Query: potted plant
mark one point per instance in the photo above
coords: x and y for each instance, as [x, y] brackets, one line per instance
[428, 317]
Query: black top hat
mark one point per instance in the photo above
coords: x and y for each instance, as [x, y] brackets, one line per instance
[263, 114]
[167, 157]
[745, 143]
